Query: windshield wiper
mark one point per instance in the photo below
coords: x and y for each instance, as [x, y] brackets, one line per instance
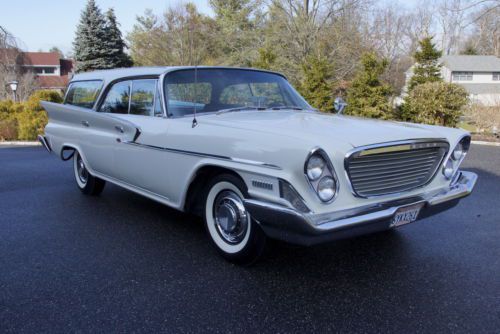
[285, 107]
[223, 111]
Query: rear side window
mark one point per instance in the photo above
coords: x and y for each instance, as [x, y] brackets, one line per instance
[117, 100]
[143, 97]
[83, 93]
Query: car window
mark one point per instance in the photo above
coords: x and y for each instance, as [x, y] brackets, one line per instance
[236, 94]
[142, 97]
[117, 99]
[83, 93]
[181, 97]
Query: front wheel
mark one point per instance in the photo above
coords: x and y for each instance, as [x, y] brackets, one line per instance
[87, 183]
[233, 232]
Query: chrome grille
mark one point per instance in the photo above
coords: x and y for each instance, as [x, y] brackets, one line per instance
[392, 168]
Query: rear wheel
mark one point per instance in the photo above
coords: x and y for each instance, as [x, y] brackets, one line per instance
[237, 237]
[88, 184]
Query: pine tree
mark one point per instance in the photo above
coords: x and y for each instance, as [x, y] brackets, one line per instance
[317, 86]
[368, 96]
[90, 50]
[427, 67]
[114, 42]
[266, 59]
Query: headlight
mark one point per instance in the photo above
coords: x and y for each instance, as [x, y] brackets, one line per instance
[457, 152]
[321, 176]
[326, 188]
[456, 157]
[448, 169]
[315, 167]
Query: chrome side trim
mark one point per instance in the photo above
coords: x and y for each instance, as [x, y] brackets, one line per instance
[356, 150]
[204, 155]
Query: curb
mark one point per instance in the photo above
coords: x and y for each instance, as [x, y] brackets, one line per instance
[20, 143]
[486, 143]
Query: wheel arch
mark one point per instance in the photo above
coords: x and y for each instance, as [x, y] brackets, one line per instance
[68, 151]
[199, 180]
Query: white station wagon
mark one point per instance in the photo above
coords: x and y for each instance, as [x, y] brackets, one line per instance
[242, 149]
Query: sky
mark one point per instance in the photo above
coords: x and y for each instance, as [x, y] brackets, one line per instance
[42, 24]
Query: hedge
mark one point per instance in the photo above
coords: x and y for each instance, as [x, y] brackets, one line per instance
[25, 120]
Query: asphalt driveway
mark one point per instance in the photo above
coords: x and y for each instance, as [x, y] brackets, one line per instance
[120, 262]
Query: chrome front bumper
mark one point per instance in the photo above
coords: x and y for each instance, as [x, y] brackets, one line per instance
[287, 224]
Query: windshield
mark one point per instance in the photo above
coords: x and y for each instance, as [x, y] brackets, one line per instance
[228, 90]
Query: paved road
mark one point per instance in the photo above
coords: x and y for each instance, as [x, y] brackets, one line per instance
[124, 263]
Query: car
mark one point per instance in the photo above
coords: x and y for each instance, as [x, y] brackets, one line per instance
[242, 149]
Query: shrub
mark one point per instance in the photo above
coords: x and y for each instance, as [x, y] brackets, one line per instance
[25, 120]
[484, 118]
[436, 103]
[8, 122]
[33, 118]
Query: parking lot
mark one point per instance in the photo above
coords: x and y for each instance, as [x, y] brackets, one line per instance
[120, 262]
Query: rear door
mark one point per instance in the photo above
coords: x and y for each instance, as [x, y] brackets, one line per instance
[96, 134]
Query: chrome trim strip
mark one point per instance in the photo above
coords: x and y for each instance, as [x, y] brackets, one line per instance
[355, 150]
[204, 155]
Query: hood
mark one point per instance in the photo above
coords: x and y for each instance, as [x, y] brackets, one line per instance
[317, 126]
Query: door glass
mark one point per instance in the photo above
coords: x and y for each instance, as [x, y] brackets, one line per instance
[83, 94]
[142, 98]
[117, 99]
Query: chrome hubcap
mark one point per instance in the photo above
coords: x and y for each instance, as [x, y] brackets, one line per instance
[230, 217]
[81, 170]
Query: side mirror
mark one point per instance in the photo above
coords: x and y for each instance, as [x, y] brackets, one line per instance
[339, 105]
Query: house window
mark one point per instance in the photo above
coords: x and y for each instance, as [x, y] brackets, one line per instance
[496, 76]
[462, 76]
[45, 70]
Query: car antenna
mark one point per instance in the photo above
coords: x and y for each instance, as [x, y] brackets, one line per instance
[195, 122]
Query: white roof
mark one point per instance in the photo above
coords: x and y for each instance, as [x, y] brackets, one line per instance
[111, 75]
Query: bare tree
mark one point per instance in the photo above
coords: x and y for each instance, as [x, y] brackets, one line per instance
[11, 69]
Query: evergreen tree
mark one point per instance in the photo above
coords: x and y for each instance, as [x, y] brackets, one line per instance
[368, 96]
[427, 67]
[115, 44]
[90, 50]
[317, 86]
[266, 59]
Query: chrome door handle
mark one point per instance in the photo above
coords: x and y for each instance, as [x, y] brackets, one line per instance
[85, 123]
[119, 129]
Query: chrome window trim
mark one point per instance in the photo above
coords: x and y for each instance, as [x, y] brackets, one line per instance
[203, 155]
[355, 150]
[329, 165]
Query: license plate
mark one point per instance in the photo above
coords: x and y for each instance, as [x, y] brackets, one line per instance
[406, 215]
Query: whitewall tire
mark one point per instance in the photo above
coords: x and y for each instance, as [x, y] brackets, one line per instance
[87, 183]
[229, 225]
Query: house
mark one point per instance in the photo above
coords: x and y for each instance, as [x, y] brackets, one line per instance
[479, 75]
[52, 71]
